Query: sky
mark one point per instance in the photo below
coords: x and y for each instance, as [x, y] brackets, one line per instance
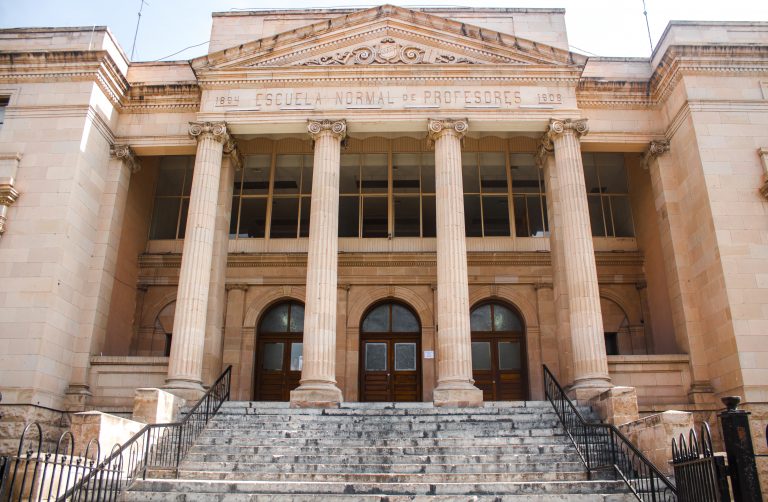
[614, 28]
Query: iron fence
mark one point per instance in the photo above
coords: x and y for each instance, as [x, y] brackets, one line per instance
[90, 475]
[701, 476]
[602, 447]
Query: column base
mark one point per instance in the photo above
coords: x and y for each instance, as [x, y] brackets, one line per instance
[188, 390]
[584, 390]
[316, 395]
[457, 395]
[701, 392]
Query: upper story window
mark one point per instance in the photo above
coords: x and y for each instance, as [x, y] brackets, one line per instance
[3, 104]
[272, 198]
[608, 195]
[174, 182]
[528, 199]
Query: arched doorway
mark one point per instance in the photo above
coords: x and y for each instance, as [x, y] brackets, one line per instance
[279, 350]
[390, 349]
[498, 352]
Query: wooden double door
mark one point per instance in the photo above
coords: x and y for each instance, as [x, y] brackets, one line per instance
[278, 366]
[390, 355]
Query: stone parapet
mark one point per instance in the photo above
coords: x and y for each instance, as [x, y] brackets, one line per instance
[653, 435]
[617, 405]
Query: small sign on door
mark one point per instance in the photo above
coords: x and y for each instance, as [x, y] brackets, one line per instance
[429, 354]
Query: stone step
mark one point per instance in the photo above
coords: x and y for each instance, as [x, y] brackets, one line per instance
[370, 457]
[180, 488]
[397, 442]
[383, 468]
[474, 432]
[386, 477]
[256, 419]
[274, 497]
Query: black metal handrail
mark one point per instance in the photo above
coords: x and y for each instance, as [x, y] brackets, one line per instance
[603, 447]
[62, 475]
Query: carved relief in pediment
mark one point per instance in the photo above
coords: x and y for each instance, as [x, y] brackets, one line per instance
[387, 52]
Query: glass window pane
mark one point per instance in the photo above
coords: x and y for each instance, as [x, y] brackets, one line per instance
[288, 173]
[505, 320]
[375, 176]
[472, 219]
[622, 217]
[427, 173]
[256, 175]
[349, 213]
[537, 226]
[405, 357]
[253, 217]
[165, 217]
[428, 216]
[480, 318]
[407, 216]
[306, 206]
[306, 176]
[613, 175]
[522, 226]
[273, 356]
[496, 216]
[233, 217]
[285, 217]
[525, 179]
[276, 319]
[481, 356]
[509, 355]
[596, 216]
[297, 357]
[377, 320]
[590, 174]
[183, 217]
[403, 320]
[349, 176]
[170, 176]
[297, 318]
[375, 217]
[405, 172]
[493, 173]
[470, 173]
[375, 357]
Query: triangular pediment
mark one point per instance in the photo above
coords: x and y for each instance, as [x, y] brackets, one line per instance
[386, 35]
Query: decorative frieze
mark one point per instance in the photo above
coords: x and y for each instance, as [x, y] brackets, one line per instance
[387, 51]
[656, 148]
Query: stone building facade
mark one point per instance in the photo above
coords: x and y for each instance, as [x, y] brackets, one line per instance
[384, 204]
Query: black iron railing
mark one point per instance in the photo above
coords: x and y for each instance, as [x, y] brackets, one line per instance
[602, 447]
[701, 476]
[67, 474]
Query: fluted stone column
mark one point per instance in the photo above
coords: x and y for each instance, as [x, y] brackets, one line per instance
[590, 363]
[318, 375]
[186, 362]
[454, 345]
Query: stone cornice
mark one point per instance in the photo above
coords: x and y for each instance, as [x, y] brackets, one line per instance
[336, 127]
[171, 97]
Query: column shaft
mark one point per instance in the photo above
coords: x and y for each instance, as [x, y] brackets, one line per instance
[454, 345]
[318, 375]
[590, 363]
[186, 362]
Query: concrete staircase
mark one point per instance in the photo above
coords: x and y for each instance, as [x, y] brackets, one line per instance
[382, 452]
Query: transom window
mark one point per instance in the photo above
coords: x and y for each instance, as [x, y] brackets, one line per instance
[390, 318]
[608, 195]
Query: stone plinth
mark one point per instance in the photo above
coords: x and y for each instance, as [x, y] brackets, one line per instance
[155, 406]
[653, 435]
[617, 405]
[107, 429]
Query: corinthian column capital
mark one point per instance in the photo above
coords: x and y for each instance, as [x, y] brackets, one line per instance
[438, 127]
[558, 127]
[337, 128]
[215, 130]
[231, 151]
[655, 149]
[126, 154]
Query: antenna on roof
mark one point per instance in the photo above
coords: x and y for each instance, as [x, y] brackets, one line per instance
[647, 25]
[133, 48]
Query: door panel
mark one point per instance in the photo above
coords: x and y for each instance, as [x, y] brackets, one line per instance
[278, 367]
[498, 366]
[390, 368]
